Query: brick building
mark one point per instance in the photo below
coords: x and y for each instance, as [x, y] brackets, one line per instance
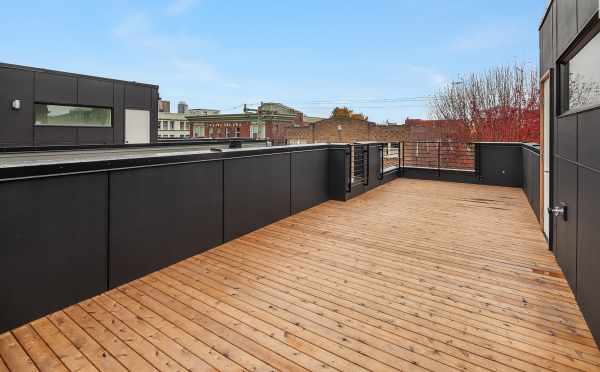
[270, 120]
[348, 131]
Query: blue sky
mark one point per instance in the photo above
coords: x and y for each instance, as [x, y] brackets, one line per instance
[310, 54]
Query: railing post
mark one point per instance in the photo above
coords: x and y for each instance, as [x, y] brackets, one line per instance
[438, 159]
[381, 149]
[349, 161]
[365, 149]
[403, 157]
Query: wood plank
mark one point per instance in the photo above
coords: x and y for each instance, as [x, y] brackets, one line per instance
[119, 349]
[414, 275]
[385, 342]
[160, 334]
[3, 367]
[69, 355]
[14, 356]
[99, 356]
[252, 329]
[37, 349]
[147, 350]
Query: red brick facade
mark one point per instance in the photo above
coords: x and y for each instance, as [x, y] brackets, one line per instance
[348, 131]
[225, 129]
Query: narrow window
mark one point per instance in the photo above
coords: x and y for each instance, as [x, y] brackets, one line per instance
[581, 77]
[72, 116]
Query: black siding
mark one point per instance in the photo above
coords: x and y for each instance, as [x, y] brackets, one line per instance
[309, 178]
[32, 85]
[161, 215]
[54, 245]
[257, 192]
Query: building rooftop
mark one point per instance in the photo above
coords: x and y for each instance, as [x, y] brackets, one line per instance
[448, 276]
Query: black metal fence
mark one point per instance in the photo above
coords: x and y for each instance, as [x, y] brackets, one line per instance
[440, 156]
[359, 163]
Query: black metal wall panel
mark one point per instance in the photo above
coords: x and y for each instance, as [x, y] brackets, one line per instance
[531, 179]
[55, 88]
[547, 43]
[94, 136]
[154, 115]
[53, 245]
[51, 135]
[588, 249]
[119, 114]
[585, 11]
[501, 165]
[94, 92]
[310, 179]
[566, 23]
[566, 231]
[339, 176]
[257, 193]
[138, 97]
[161, 215]
[16, 126]
[374, 167]
[32, 85]
[566, 137]
[589, 138]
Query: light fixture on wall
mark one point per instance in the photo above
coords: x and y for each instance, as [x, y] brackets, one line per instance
[16, 104]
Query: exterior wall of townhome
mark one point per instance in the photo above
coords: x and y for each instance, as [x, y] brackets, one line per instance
[26, 90]
[570, 155]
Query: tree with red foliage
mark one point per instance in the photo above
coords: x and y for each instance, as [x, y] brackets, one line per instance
[500, 105]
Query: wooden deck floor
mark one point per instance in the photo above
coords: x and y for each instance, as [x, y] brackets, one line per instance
[414, 276]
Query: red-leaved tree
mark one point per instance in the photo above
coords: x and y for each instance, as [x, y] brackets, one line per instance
[501, 104]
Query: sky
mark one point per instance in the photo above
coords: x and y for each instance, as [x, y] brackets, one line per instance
[374, 56]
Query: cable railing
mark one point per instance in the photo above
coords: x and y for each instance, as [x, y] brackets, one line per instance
[390, 156]
[452, 156]
[358, 164]
[438, 156]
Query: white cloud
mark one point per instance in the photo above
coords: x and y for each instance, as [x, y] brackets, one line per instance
[180, 6]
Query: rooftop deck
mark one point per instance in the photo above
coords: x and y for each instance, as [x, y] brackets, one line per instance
[414, 275]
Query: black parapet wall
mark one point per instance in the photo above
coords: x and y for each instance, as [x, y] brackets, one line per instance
[34, 85]
[531, 176]
[500, 164]
[74, 230]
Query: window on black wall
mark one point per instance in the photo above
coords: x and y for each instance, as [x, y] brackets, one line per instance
[74, 116]
[581, 77]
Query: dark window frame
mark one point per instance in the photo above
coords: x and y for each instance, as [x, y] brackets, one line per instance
[112, 116]
[591, 30]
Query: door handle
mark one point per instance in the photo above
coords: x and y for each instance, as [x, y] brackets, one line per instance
[562, 210]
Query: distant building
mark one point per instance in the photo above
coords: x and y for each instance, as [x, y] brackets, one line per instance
[164, 106]
[173, 125]
[270, 121]
[177, 125]
[352, 130]
[344, 131]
